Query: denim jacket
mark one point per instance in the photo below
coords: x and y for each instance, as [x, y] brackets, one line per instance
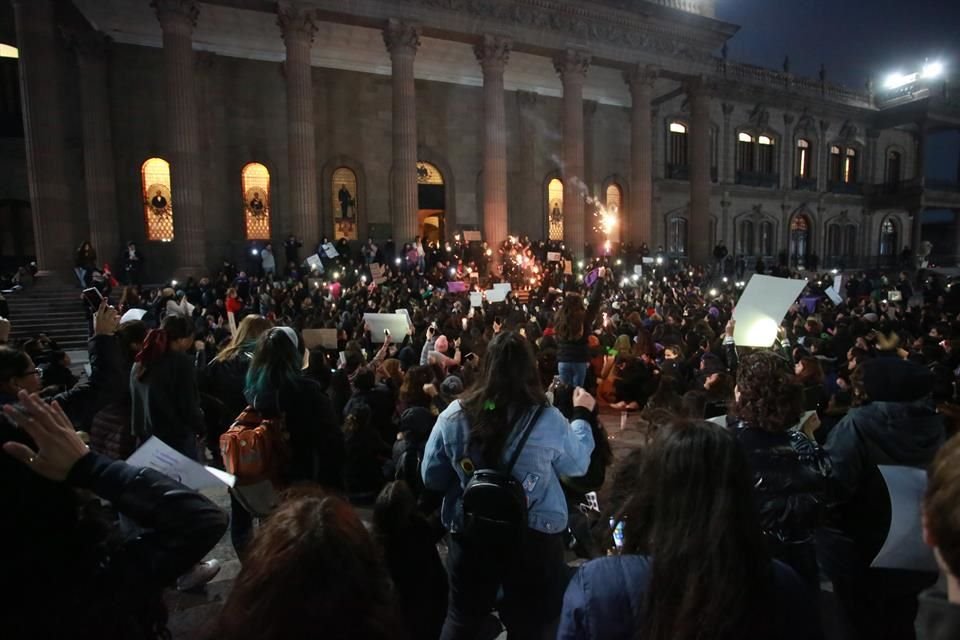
[555, 448]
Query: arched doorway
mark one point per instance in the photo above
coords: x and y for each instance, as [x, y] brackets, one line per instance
[431, 199]
[799, 239]
[888, 241]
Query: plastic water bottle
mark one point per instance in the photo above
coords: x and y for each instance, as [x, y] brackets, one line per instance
[623, 420]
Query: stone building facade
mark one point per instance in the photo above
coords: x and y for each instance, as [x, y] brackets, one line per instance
[254, 119]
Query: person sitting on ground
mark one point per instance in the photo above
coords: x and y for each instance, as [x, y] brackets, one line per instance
[694, 565]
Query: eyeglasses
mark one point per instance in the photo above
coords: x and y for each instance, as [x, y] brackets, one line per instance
[32, 372]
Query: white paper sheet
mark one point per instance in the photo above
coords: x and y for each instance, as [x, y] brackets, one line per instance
[833, 295]
[330, 250]
[505, 286]
[904, 547]
[476, 298]
[377, 322]
[158, 455]
[553, 256]
[132, 315]
[762, 307]
[638, 269]
[838, 285]
[406, 314]
[315, 263]
[496, 295]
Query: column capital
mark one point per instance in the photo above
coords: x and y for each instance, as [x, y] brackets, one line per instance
[492, 53]
[296, 23]
[572, 64]
[401, 38]
[88, 45]
[699, 87]
[641, 77]
[788, 119]
[727, 108]
[176, 13]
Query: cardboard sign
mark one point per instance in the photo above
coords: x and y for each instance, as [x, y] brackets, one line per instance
[568, 268]
[378, 273]
[834, 296]
[505, 286]
[894, 296]
[472, 236]
[553, 256]
[393, 322]
[761, 309]
[315, 263]
[326, 338]
[476, 299]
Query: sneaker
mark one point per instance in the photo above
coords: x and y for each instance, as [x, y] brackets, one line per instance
[199, 575]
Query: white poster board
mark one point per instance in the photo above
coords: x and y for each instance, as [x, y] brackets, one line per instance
[330, 250]
[838, 286]
[496, 295]
[762, 307]
[476, 299]
[326, 338]
[406, 314]
[904, 547]
[315, 263]
[377, 322]
[553, 256]
[833, 295]
[648, 260]
[157, 455]
[638, 269]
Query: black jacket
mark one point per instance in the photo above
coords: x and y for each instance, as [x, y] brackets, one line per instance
[104, 578]
[789, 477]
[577, 350]
[166, 403]
[316, 441]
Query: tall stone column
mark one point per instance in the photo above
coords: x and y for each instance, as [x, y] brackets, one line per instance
[699, 226]
[823, 163]
[572, 67]
[492, 54]
[43, 128]
[640, 220]
[789, 145]
[870, 174]
[402, 41]
[177, 21]
[92, 49]
[530, 220]
[728, 146]
[298, 29]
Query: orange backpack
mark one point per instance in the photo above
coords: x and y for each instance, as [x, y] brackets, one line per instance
[255, 448]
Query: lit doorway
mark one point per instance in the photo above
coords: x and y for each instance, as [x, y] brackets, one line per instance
[431, 203]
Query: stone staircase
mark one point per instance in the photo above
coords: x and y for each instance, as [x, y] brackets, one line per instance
[49, 306]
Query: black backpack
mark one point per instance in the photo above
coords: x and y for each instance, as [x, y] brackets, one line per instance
[494, 502]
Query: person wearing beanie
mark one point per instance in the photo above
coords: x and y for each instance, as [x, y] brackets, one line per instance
[893, 422]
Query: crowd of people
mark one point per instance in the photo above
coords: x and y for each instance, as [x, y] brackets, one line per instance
[758, 479]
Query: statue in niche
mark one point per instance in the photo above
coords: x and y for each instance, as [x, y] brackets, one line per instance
[346, 201]
[256, 204]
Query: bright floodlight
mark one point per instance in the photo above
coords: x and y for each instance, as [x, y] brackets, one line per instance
[895, 80]
[932, 70]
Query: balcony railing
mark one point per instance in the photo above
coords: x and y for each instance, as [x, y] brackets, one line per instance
[682, 172]
[852, 188]
[757, 179]
[805, 184]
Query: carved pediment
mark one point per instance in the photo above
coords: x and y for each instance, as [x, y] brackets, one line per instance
[760, 117]
[848, 131]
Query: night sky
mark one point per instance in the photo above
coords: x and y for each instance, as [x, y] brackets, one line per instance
[855, 39]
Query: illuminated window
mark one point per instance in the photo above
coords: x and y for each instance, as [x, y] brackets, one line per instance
[6, 51]
[677, 145]
[850, 166]
[345, 203]
[745, 152]
[157, 201]
[888, 237]
[803, 158]
[255, 180]
[765, 158]
[765, 140]
[555, 210]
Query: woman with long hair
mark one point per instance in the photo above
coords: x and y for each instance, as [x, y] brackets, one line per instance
[312, 570]
[572, 324]
[480, 430]
[810, 375]
[694, 563]
[163, 386]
